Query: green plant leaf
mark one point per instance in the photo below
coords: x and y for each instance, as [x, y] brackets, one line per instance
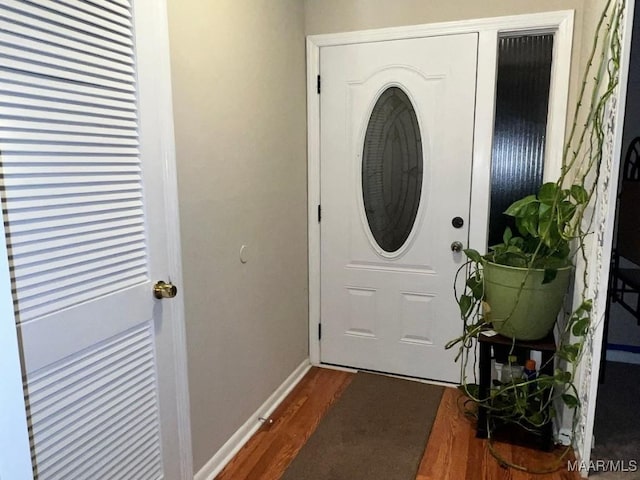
[548, 193]
[473, 255]
[471, 390]
[562, 376]
[579, 193]
[465, 303]
[566, 211]
[507, 235]
[581, 327]
[545, 381]
[569, 352]
[570, 401]
[585, 306]
[476, 286]
[515, 208]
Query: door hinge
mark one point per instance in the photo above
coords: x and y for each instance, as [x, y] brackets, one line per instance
[319, 331]
[318, 84]
[319, 213]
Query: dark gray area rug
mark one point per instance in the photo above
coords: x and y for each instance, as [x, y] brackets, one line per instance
[377, 430]
[617, 426]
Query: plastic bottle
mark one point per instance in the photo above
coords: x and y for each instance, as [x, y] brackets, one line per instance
[529, 371]
[511, 371]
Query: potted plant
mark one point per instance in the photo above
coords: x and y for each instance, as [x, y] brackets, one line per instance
[522, 281]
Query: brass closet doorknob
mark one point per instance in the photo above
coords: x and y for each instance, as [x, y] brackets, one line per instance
[164, 290]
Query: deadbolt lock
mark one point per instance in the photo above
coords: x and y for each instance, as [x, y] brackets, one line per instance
[164, 290]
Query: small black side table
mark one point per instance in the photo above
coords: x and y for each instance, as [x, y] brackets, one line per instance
[547, 346]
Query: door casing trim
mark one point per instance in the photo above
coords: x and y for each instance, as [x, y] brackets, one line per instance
[488, 29]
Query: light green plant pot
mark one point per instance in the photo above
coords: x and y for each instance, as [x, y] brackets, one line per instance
[537, 307]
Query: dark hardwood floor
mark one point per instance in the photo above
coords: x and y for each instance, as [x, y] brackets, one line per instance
[452, 453]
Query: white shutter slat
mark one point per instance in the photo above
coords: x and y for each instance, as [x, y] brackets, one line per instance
[53, 88]
[122, 8]
[134, 438]
[62, 201]
[118, 50]
[88, 8]
[64, 386]
[17, 36]
[64, 233]
[76, 210]
[47, 171]
[143, 466]
[68, 417]
[87, 14]
[71, 253]
[76, 118]
[45, 106]
[41, 225]
[123, 3]
[83, 429]
[59, 181]
[24, 95]
[47, 63]
[86, 430]
[45, 127]
[65, 148]
[93, 262]
[59, 17]
[68, 190]
[100, 257]
[30, 137]
[134, 258]
[88, 241]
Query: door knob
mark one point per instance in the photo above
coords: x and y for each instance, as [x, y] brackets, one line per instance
[456, 246]
[164, 290]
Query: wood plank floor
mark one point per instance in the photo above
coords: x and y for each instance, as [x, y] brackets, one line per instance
[452, 453]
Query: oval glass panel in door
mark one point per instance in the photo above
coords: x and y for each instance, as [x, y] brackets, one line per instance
[392, 169]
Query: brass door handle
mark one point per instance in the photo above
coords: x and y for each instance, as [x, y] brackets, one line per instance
[164, 290]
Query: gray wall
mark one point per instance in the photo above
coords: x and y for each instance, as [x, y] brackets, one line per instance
[238, 73]
[329, 16]
[326, 16]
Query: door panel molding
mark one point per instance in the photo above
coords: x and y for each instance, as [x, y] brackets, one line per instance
[488, 29]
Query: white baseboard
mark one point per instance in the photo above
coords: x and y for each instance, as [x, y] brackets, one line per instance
[246, 431]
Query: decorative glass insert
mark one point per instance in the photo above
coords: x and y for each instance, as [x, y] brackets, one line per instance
[392, 169]
[522, 104]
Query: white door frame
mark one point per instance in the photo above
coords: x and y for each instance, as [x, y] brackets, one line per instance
[151, 37]
[560, 22]
[590, 367]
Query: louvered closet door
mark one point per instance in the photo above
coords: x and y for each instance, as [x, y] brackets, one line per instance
[81, 183]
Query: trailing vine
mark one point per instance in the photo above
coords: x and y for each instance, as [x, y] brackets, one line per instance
[553, 227]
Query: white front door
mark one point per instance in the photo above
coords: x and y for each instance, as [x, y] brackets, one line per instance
[396, 129]
[84, 150]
